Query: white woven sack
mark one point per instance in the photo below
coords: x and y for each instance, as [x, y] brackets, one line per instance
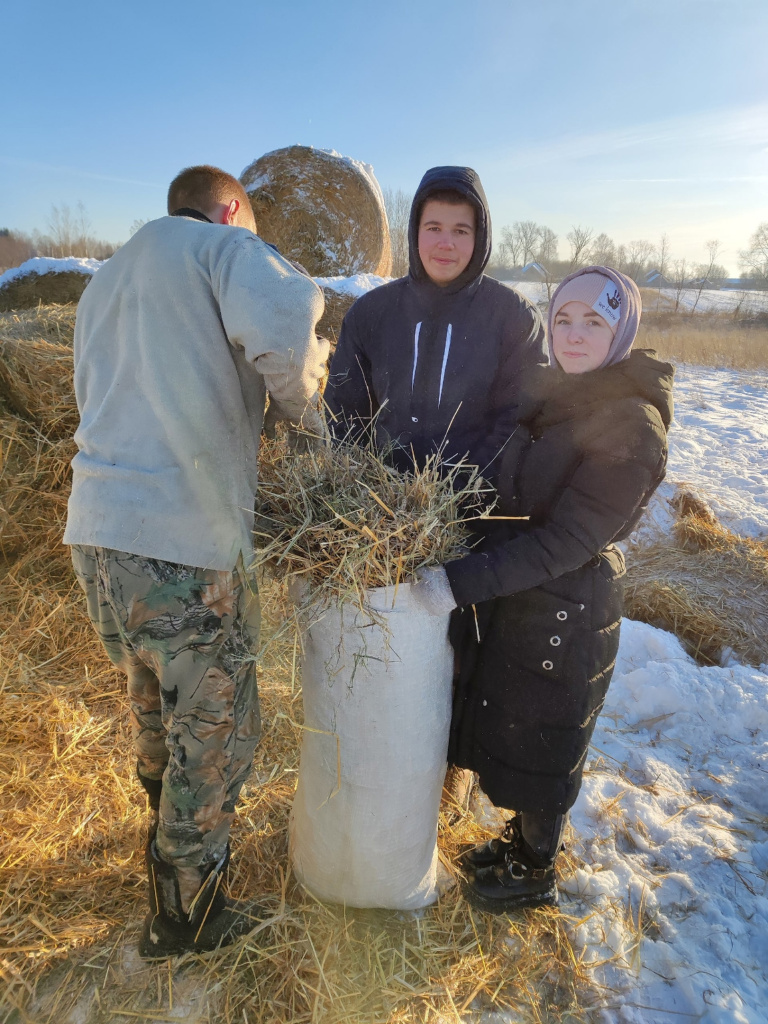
[364, 819]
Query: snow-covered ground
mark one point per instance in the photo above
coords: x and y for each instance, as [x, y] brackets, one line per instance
[672, 821]
[710, 301]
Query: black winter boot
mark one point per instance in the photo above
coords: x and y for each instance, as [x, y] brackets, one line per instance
[525, 876]
[153, 788]
[213, 920]
[494, 851]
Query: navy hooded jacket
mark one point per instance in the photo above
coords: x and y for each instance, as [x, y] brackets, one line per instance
[436, 368]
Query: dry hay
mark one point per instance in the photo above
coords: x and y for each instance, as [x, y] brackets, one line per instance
[34, 486]
[707, 585]
[340, 520]
[73, 821]
[336, 306]
[72, 878]
[36, 383]
[321, 210]
[51, 323]
[33, 289]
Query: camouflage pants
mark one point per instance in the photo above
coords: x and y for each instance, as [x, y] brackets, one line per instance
[185, 638]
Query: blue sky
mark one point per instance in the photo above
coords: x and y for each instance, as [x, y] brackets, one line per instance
[634, 118]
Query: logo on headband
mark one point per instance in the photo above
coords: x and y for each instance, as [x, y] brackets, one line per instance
[608, 304]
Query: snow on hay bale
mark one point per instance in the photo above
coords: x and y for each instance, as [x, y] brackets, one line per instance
[44, 280]
[705, 584]
[321, 209]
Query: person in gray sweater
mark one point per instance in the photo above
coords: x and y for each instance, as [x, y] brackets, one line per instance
[179, 338]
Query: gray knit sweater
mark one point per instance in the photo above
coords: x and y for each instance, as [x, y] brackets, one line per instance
[178, 338]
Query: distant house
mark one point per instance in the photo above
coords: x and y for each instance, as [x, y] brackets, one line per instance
[532, 272]
[655, 279]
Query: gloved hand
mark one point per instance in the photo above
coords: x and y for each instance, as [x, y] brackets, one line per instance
[433, 591]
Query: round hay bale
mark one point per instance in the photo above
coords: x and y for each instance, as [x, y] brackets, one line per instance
[323, 210]
[32, 289]
[36, 383]
[336, 306]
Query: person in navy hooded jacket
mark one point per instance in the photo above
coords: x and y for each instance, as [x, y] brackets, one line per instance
[430, 363]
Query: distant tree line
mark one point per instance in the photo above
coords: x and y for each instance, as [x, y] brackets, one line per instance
[69, 233]
[525, 243]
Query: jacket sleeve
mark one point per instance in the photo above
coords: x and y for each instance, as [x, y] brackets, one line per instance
[524, 347]
[269, 310]
[606, 492]
[349, 395]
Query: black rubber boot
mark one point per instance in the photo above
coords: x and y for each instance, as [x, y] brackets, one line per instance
[153, 788]
[494, 851]
[525, 877]
[213, 920]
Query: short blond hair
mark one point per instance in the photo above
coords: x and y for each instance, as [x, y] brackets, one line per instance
[202, 187]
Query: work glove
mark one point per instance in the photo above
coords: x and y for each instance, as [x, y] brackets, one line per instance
[433, 591]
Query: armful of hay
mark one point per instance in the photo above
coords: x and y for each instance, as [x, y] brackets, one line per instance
[343, 521]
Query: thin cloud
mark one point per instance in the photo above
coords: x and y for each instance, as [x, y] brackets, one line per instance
[78, 172]
[745, 126]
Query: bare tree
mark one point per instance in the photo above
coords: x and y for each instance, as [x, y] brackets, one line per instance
[136, 224]
[754, 260]
[69, 235]
[680, 274]
[663, 254]
[546, 251]
[398, 206]
[579, 239]
[14, 249]
[638, 254]
[528, 232]
[709, 274]
[510, 247]
[69, 230]
[603, 252]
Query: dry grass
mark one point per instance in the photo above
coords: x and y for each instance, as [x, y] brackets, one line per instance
[706, 585]
[341, 521]
[49, 323]
[73, 820]
[73, 883]
[704, 339]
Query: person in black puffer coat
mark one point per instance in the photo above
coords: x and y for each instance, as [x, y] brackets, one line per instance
[537, 649]
[431, 363]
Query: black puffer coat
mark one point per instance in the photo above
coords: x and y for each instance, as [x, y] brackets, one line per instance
[548, 593]
[436, 368]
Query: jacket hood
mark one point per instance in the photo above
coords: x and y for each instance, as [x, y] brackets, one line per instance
[467, 182]
[552, 395]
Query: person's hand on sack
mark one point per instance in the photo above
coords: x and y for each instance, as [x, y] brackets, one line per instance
[433, 591]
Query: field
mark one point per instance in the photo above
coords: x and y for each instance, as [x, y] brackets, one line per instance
[664, 861]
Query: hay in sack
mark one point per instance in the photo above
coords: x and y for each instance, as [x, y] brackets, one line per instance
[323, 210]
[350, 533]
[705, 584]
